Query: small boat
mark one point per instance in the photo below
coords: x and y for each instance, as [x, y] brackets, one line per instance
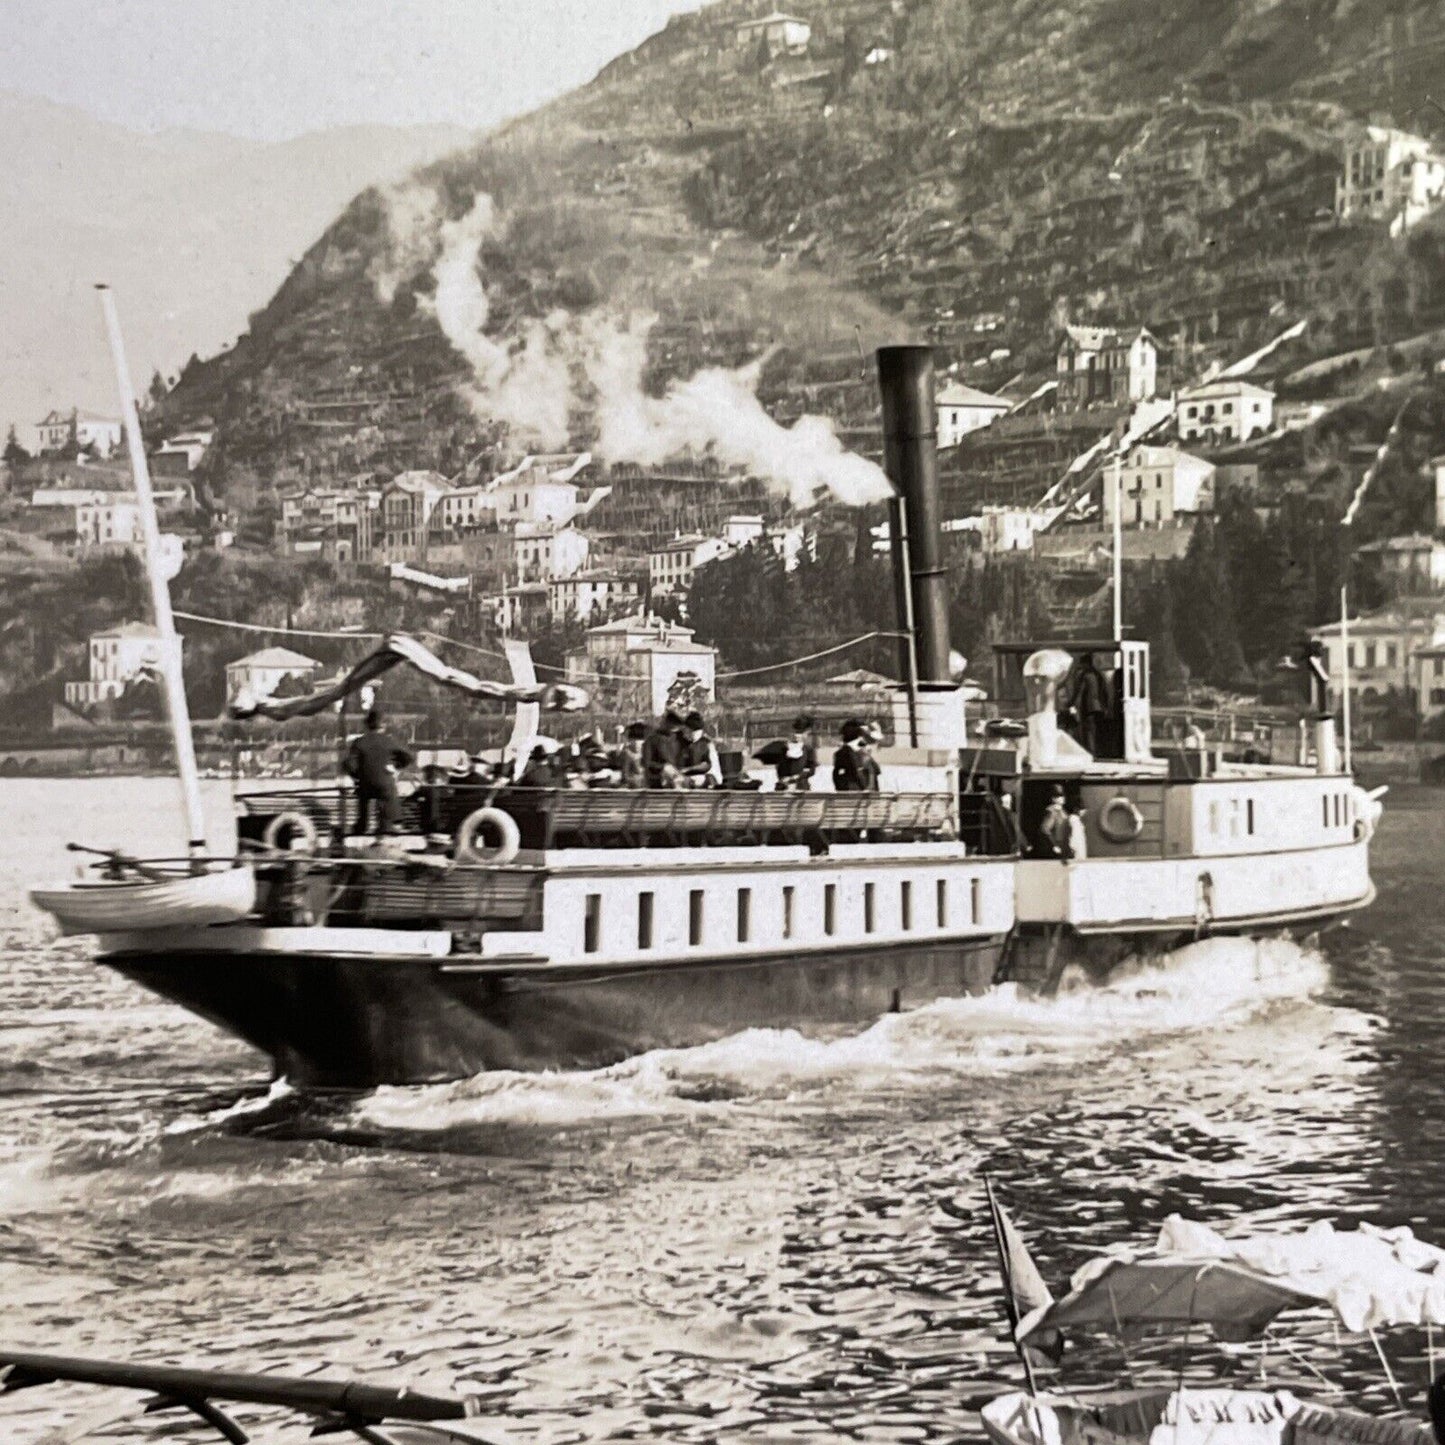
[1369, 1277]
[351, 1408]
[141, 900]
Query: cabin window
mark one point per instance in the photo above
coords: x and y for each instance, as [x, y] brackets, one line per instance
[830, 907]
[1326, 802]
[1214, 819]
[745, 913]
[694, 917]
[941, 902]
[869, 910]
[592, 924]
[787, 910]
[975, 889]
[905, 905]
[644, 920]
[1249, 816]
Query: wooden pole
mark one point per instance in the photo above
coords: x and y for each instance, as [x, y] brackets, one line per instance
[174, 687]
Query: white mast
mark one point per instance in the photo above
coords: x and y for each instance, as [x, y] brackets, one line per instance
[1118, 494]
[1345, 674]
[170, 660]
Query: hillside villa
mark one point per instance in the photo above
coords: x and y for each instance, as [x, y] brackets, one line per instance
[1098, 365]
[55, 431]
[117, 656]
[1222, 411]
[782, 34]
[1415, 563]
[644, 658]
[1382, 647]
[593, 593]
[961, 410]
[1156, 485]
[259, 674]
[541, 551]
[1389, 175]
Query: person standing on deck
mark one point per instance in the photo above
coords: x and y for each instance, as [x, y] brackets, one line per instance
[1053, 839]
[628, 759]
[854, 768]
[373, 761]
[1089, 698]
[700, 765]
[1078, 837]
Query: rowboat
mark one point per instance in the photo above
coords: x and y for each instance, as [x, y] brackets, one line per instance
[146, 901]
[1370, 1278]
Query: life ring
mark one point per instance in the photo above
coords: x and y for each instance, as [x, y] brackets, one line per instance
[1120, 821]
[509, 841]
[296, 827]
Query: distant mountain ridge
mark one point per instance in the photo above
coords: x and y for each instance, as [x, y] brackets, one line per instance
[193, 229]
[977, 171]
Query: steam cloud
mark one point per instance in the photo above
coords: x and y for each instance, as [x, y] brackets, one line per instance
[532, 385]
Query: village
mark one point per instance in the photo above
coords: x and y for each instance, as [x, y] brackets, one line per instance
[1128, 443]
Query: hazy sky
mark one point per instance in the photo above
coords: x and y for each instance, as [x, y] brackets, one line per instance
[275, 68]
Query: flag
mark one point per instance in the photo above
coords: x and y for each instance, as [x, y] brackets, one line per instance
[1024, 1287]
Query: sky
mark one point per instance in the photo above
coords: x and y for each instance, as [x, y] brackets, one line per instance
[270, 69]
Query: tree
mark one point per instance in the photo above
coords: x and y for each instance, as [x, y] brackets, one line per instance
[15, 455]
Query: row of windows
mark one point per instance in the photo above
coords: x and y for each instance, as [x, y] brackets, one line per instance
[1368, 655]
[743, 919]
[1335, 809]
[1232, 817]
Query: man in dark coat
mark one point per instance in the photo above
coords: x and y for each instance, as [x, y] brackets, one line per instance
[855, 770]
[797, 766]
[372, 761]
[1089, 699]
[699, 762]
[662, 753]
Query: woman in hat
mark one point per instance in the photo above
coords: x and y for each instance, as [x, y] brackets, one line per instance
[854, 767]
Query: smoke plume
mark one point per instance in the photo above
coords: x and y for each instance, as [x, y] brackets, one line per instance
[533, 383]
[413, 215]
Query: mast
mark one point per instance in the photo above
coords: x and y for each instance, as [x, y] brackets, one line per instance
[1345, 674]
[1118, 495]
[174, 687]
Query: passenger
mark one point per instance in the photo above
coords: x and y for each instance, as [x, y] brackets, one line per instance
[430, 799]
[628, 759]
[1089, 698]
[1078, 835]
[797, 766]
[854, 767]
[1054, 827]
[699, 762]
[373, 761]
[662, 752]
[540, 771]
[597, 767]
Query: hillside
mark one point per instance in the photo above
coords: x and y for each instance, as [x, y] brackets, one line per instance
[1003, 164]
[195, 230]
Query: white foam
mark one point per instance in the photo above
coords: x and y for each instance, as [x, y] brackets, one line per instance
[1201, 986]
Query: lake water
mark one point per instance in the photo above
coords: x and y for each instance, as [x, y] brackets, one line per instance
[764, 1238]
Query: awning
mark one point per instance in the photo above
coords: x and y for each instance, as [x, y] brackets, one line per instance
[395, 649]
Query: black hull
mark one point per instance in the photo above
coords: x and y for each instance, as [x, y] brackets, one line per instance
[352, 1023]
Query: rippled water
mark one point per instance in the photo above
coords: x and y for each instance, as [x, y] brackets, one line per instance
[764, 1238]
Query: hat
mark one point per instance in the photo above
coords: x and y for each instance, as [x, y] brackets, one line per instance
[672, 718]
[802, 723]
[637, 730]
[694, 721]
[852, 730]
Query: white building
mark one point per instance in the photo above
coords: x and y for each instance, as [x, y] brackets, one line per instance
[1389, 175]
[1227, 410]
[534, 498]
[1098, 365]
[118, 656]
[671, 567]
[961, 410]
[103, 433]
[590, 593]
[259, 674]
[1005, 529]
[541, 551]
[1382, 648]
[1414, 563]
[465, 509]
[1430, 680]
[783, 34]
[193, 445]
[1156, 484]
[114, 519]
[644, 656]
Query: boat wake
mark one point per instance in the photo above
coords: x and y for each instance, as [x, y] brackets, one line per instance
[1202, 986]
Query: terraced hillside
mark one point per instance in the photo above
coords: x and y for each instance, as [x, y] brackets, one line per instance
[972, 170]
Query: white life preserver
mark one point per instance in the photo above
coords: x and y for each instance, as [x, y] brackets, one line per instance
[1120, 821]
[302, 832]
[509, 842]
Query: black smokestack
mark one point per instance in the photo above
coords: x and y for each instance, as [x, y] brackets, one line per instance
[910, 457]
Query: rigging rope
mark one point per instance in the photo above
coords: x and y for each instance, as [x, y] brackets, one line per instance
[341, 636]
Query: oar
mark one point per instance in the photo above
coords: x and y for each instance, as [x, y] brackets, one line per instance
[118, 860]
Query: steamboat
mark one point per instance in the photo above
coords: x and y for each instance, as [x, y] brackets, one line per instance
[552, 928]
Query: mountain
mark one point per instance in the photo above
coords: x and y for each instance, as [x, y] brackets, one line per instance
[977, 171]
[193, 230]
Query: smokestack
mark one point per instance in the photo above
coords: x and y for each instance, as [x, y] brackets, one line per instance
[905, 379]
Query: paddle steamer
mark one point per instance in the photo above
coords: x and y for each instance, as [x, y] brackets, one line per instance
[603, 923]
